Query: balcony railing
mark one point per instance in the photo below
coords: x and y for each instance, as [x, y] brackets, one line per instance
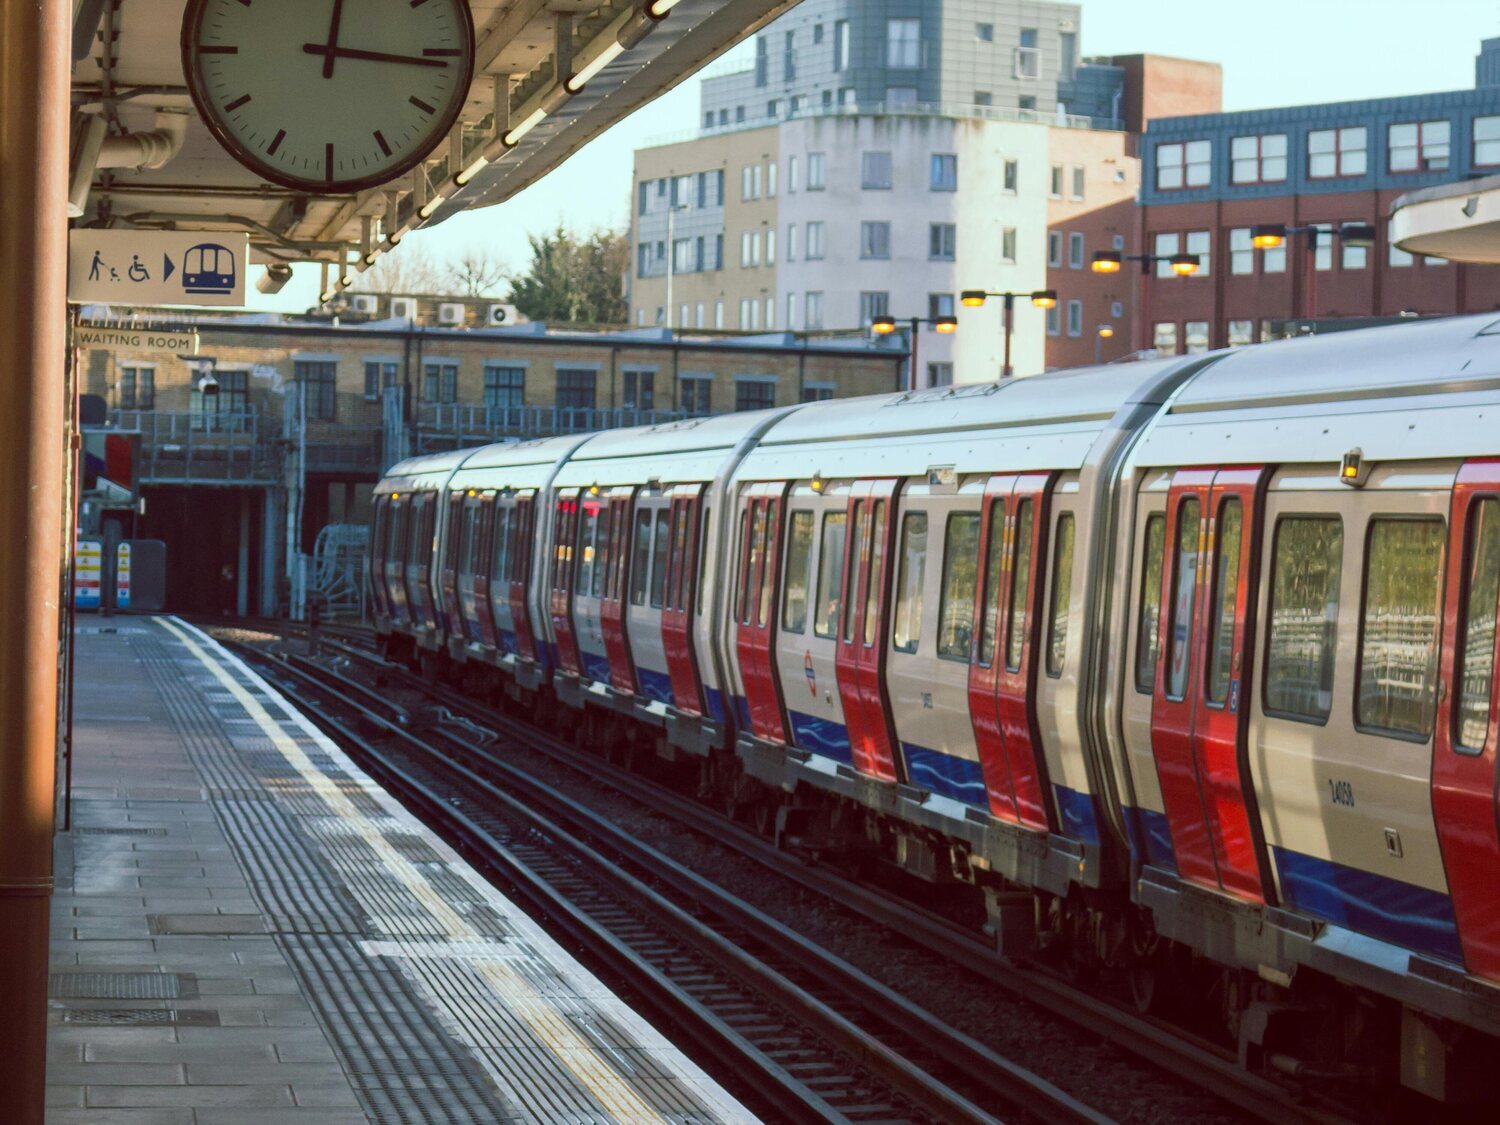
[345, 449]
[188, 447]
[452, 426]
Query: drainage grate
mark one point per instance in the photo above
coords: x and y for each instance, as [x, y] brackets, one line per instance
[138, 1017]
[119, 831]
[122, 986]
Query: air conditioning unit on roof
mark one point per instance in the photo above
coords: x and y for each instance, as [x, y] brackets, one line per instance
[404, 308]
[451, 313]
[496, 315]
[366, 303]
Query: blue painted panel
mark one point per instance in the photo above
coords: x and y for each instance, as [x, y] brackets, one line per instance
[506, 640]
[1412, 917]
[715, 700]
[1080, 820]
[742, 712]
[595, 667]
[945, 774]
[821, 736]
[1150, 837]
[655, 685]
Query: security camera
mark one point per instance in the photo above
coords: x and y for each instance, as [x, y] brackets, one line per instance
[275, 278]
[208, 385]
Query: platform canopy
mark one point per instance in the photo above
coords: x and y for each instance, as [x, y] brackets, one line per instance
[129, 72]
[1459, 222]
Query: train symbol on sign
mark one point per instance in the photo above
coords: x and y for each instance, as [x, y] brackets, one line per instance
[208, 268]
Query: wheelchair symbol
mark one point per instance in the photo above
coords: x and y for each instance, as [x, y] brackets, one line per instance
[137, 270]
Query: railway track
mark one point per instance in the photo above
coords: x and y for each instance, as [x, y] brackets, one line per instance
[812, 1036]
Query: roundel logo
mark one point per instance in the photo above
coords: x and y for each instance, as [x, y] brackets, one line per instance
[812, 677]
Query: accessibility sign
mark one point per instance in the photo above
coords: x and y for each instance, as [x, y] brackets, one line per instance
[157, 267]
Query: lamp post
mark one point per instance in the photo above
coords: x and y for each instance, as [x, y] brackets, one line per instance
[1273, 236]
[1040, 298]
[1102, 333]
[885, 325]
[1112, 261]
[672, 210]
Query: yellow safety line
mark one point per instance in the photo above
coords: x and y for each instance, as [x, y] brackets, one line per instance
[571, 1049]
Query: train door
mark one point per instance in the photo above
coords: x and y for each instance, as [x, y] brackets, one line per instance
[755, 596]
[473, 573]
[588, 588]
[453, 528]
[1002, 677]
[648, 585]
[560, 600]
[502, 522]
[418, 576]
[866, 616]
[612, 606]
[379, 546]
[394, 565]
[677, 617]
[1199, 710]
[520, 554]
[1464, 771]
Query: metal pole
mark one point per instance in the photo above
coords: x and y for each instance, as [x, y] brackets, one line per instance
[34, 115]
[1007, 371]
[916, 325]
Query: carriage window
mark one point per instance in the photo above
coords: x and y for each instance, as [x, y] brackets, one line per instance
[588, 529]
[851, 572]
[1015, 637]
[702, 557]
[501, 569]
[989, 619]
[1300, 649]
[659, 560]
[877, 573]
[1184, 600]
[1399, 631]
[798, 550]
[1148, 619]
[522, 527]
[396, 546]
[960, 572]
[908, 629]
[1226, 596]
[752, 556]
[601, 551]
[1476, 675]
[1062, 595]
[830, 570]
[468, 536]
[640, 557]
[677, 598]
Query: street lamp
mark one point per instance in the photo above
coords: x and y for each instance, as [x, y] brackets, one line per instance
[1102, 333]
[885, 325]
[1040, 298]
[1273, 236]
[1110, 261]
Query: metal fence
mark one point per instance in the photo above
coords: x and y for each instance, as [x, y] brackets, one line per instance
[186, 447]
[452, 426]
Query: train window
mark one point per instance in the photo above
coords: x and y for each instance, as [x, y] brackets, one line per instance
[1476, 674]
[501, 568]
[1015, 637]
[1062, 595]
[1148, 618]
[910, 581]
[1226, 599]
[659, 560]
[830, 571]
[1301, 643]
[702, 557]
[876, 581]
[601, 551]
[850, 583]
[678, 557]
[960, 575]
[798, 552]
[640, 557]
[1184, 598]
[588, 528]
[989, 613]
[1398, 655]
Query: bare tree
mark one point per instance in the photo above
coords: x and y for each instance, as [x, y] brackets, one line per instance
[475, 273]
[408, 269]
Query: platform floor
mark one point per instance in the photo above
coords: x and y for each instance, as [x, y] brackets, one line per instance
[248, 929]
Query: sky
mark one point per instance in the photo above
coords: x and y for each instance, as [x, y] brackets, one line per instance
[1274, 53]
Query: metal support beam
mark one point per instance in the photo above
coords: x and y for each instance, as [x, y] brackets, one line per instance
[35, 44]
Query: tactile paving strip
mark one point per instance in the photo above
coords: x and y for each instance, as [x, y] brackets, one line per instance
[122, 986]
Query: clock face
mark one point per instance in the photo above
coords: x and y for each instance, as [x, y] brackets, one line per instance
[328, 95]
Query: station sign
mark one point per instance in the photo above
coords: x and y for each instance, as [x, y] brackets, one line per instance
[157, 267]
[136, 339]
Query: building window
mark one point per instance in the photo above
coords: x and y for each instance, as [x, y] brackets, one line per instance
[1273, 261]
[812, 303]
[1486, 141]
[1078, 176]
[1055, 190]
[1241, 332]
[754, 394]
[639, 390]
[944, 171]
[940, 374]
[1323, 255]
[984, 32]
[1164, 338]
[791, 310]
[1201, 243]
[942, 242]
[875, 171]
[903, 44]
[816, 394]
[440, 382]
[1067, 43]
[771, 179]
[747, 183]
[1012, 176]
[789, 56]
[841, 45]
[939, 304]
[814, 241]
[875, 240]
[700, 322]
[1241, 251]
[1075, 251]
[1195, 336]
[983, 97]
[1258, 160]
[1028, 56]
[1055, 249]
[791, 242]
[762, 61]
[871, 305]
[1419, 147]
[1026, 101]
[1183, 165]
[575, 389]
[817, 34]
[504, 387]
[770, 313]
[693, 394]
[791, 173]
[815, 171]
[771, 246]
[1117, 309]
[138, 388]
[1008, 245]
[321, 382]
[378, 376]
[226, 412]
[1353, 257]
[718, 316]
[1075, 318]
[1164, 246]
[1054, 321]
[898, 98]
[684, 255]
[1337, 152]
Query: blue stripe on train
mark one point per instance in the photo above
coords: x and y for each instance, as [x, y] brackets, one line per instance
[742, 712]
[655, 685]
[821, 736]
[1080, 820]
[1151, 837]
[1412, 917]
[506, 639]
[946, 775]
[595, 667]
[715, 700]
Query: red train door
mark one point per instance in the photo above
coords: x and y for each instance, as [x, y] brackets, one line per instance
[760, 568]
[564, 567]
[612, 605]
[1203, 678]
[522, 527]
[864, 623]
[1002, 702]
[1464, 774]
[676, 615]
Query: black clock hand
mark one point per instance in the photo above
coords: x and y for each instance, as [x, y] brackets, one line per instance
[330, 53]
[333, 38]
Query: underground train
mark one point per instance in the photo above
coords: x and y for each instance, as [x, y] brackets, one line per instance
[1182, 670]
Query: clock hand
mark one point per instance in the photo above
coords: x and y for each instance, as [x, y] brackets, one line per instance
[330, 53]
[333, 38]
